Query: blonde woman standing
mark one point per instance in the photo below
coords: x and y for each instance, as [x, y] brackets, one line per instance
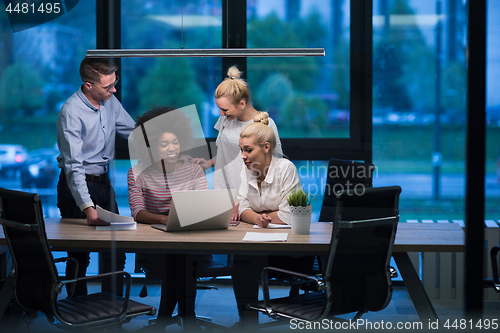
[232, 96]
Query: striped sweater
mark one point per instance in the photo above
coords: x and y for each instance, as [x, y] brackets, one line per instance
[152, 191]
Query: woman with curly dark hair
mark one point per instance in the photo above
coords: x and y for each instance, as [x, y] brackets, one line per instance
[161, 135]
[160, 171]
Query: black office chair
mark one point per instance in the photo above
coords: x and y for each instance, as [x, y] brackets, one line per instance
[341, 175]
[356, 276]
[35, 284]
[495, 281]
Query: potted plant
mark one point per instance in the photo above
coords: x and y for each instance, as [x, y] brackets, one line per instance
[300, 211]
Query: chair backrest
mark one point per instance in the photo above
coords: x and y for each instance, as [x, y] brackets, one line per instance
[343, 175]
[35, 273]
[357, 267]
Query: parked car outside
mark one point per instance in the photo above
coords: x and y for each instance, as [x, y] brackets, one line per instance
[12, 158]
[40, 168]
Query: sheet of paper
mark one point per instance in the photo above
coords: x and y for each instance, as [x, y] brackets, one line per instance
[265, 237]
[118, 222]
[274, 226]
[117, 226]
[110, 217]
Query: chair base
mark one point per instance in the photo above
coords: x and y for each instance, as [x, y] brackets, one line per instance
[305, 307]
[176, 319]
[491, 284]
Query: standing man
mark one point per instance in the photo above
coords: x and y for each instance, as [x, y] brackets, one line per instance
[86, 128]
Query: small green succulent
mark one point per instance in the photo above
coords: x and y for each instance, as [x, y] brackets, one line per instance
[299, 198]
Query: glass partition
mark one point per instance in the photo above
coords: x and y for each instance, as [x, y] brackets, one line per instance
[419, 87]
[419, 104]
[308, 97]
[39, 71]
[492, 185]
[176, 82]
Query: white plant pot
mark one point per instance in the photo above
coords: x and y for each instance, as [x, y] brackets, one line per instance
[300, 219]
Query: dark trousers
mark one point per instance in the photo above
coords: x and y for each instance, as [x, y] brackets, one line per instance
[102, 194]
[247, 270]
[178, 275]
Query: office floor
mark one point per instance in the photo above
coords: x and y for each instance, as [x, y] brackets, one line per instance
[220, 306]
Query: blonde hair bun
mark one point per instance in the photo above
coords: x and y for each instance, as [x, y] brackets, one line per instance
[233, 72]
[261, 130]
[261, 117]
[233, 87]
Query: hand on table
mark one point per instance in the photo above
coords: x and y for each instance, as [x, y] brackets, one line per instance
[235, 216]
[92, 218]
[263, 220]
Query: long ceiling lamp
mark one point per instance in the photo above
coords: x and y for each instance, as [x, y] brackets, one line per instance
[224, 52]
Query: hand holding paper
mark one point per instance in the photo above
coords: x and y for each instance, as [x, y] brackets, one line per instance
[117, 222]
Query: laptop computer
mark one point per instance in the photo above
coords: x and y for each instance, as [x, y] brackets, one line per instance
[199, 210]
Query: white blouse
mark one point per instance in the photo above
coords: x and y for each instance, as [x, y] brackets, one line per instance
[228, 163]
[281, 178]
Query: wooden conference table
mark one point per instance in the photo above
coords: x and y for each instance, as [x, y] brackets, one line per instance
[75, 235]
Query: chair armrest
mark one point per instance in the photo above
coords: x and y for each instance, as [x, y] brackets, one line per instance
[63, 259]
[494, 263]
[293, 274]
[320, 284]
[74, 273]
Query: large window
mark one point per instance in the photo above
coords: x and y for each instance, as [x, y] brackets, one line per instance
[492, 182]
[176, 82]
[308, 97]
[399, 64]
[38, 72]
[419, 106]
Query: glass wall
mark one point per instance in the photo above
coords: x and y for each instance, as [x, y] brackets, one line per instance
[39, 70]
[492, 185]
[177, 82]
[308, 97]
[419, 88]
[419, 104]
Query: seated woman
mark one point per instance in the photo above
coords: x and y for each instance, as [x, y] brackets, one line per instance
[160, 135]
[266, 181]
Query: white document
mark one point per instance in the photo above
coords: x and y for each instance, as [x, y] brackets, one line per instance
[265, 237]
[118, 222]
[273, 226]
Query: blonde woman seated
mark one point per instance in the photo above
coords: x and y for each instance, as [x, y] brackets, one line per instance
[151, 183]
[266, 181]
